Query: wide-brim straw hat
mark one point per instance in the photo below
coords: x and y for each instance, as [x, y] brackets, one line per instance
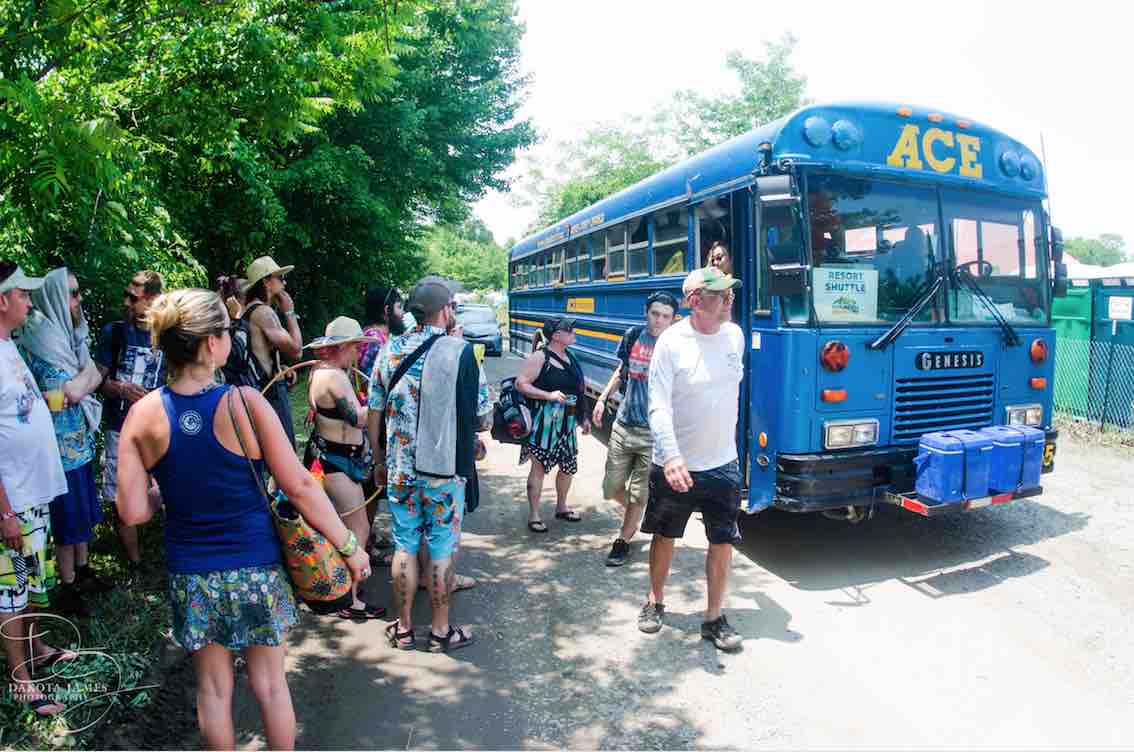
[265, 266]
[341, 331]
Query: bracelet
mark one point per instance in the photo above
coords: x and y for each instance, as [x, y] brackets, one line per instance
[292, 314]
[349, 546]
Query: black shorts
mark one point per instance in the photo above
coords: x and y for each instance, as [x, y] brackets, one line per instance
[715, 492]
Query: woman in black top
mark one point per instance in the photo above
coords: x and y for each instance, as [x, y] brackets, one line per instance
[552, 379]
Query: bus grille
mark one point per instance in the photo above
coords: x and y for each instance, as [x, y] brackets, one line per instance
[941, 403]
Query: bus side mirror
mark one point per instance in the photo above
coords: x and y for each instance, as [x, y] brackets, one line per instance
[1057, 245]
[1059, 284]
[776, 189]
[787, 280]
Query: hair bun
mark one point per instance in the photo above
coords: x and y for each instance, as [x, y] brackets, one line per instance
[163, 314]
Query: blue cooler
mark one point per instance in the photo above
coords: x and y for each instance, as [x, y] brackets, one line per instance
[953, 466]
[1017, 458]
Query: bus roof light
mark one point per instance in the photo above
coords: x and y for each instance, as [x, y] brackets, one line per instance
[964, 124]
[935, 117]
[905, 111]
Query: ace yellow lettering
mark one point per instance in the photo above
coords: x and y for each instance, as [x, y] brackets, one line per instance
[943, 150]
[905, 151]
[932, 136]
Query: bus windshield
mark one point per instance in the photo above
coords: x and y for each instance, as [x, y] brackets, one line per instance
[873, 248]
[995, 239]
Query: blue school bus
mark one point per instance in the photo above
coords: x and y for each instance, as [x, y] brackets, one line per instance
[898, 269]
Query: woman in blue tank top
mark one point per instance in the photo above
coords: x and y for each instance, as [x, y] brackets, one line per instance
[228, 588]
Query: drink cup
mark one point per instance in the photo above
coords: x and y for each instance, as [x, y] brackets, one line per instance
[571, 400]
[478, 351]
[55, 400]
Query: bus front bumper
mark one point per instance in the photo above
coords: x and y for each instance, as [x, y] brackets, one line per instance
[828, 480]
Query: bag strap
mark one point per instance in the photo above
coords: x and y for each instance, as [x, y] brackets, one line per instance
[399, 372]
[117, 345]
[240, 439]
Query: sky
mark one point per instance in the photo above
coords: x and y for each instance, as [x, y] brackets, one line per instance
[1061, 70]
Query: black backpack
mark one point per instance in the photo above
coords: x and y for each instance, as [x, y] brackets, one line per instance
[242, 367]
[632, 335]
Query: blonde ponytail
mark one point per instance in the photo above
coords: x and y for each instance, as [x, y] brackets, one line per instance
[180, 320]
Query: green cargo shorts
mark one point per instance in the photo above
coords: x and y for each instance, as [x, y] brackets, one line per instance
[628, 462]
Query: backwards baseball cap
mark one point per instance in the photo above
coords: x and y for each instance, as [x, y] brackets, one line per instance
[558, 324]
[17, 280]
[708, 278]
[265, 266]
[428, 297]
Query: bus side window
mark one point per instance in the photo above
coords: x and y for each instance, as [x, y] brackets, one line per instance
[714, 218]
[671, 240]
[616, 253]
[638, 247]
[598, 256]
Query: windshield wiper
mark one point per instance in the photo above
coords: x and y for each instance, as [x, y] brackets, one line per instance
[901, 324]
[965, 276]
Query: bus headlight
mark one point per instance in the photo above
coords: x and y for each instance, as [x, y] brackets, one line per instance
[1025, 415]
[843, 434]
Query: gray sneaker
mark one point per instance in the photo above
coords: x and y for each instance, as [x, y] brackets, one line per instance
[650, 618]
[721, 634]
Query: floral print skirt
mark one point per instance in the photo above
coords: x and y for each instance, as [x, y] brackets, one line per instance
[235, 608]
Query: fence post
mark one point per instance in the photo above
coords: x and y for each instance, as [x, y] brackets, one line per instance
[1112, 345]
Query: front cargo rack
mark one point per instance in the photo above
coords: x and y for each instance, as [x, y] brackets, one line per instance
[929, 508]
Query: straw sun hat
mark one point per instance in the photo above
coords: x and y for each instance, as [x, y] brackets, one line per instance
[341, 331]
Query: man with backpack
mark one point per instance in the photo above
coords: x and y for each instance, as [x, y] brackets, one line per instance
[631, 445]
[423, 432]
[130, 367]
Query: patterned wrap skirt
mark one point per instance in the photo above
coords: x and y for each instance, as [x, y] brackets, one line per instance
[552, 440]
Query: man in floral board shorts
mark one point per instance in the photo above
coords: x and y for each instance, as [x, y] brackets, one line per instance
[428, 457]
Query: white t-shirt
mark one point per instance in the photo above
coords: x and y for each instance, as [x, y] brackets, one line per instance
[30, 467]
[694, 386]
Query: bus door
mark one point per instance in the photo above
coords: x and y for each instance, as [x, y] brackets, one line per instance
[776, 275]
[723, 224]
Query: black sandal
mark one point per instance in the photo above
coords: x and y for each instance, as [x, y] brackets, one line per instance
[396, 638]
[366, 612]
[570, 515]
[448, 643]
[537, 526]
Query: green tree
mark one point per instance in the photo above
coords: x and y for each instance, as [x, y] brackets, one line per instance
[612, 156]
[475, 262]
[1107, 249]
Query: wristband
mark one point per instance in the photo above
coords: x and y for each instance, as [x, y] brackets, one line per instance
[349, 546]
[292, 314]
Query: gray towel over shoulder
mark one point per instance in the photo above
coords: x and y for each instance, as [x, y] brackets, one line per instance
[436, 453]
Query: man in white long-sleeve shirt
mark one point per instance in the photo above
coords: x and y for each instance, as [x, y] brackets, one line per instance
[694, 382]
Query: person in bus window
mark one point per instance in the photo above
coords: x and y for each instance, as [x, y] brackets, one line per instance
[721, 258]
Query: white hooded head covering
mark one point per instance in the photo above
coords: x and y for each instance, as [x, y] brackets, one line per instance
[51, 335]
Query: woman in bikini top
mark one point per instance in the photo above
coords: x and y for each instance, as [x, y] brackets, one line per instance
[336, 445]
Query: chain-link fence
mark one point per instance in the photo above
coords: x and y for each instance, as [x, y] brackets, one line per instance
[1094, 381]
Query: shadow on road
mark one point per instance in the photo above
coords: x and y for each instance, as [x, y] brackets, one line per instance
[978, 547]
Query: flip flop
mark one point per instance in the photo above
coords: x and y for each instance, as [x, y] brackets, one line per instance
[367, 612]
[37, 705]
[570, 515]
[56, 656]
[537, 526]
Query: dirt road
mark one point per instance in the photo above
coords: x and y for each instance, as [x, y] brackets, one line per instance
[1008, 626]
